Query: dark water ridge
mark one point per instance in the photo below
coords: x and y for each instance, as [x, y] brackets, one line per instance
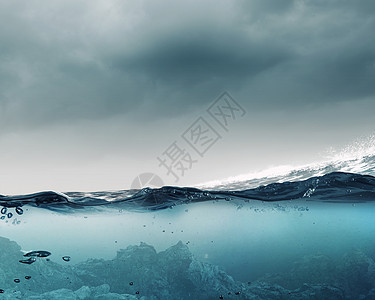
[334, 187]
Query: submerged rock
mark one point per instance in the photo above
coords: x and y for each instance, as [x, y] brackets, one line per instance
[354, 274]
[139, 272]
[84, 293]
[357, 273]
[170, 274]
[61, 294]
[207, 278]
[318, 292]
[370, 295]
[311, 269]
[43, 275]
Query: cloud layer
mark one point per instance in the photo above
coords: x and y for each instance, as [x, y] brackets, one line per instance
[91, 92]
[70, 60]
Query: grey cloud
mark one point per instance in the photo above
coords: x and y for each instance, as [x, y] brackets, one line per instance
[212, 54]
[258, 8]
[92, 91]
[361, 7]
[71, 60]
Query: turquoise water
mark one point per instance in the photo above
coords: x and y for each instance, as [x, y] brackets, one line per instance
[298, 249]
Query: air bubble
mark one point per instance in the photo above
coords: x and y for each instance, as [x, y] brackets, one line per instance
[9, 215]
[66, 258]
[19, 210]
[39, 253]
[28, 261]
[27, 277]
[4, 210]
[17, 280]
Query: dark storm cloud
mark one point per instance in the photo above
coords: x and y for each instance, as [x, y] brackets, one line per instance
[213, 54]
[258, 8]
[87, 59]
[334, 57]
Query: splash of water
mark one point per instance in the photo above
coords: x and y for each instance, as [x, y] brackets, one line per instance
[357, 157]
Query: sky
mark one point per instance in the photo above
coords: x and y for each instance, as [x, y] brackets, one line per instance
[95, 93]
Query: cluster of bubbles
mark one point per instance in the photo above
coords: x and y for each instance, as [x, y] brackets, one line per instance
[17, 280]
[5, 213]
[131, 283]
[31, 257]
[230, 293]
[39, 253]
[198, 195]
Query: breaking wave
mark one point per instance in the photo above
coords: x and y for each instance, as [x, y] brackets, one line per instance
[358, 157]
[348, 176]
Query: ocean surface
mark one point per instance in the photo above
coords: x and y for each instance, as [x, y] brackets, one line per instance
[291, 233]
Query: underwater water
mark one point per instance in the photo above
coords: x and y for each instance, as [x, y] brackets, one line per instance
[307, 234]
